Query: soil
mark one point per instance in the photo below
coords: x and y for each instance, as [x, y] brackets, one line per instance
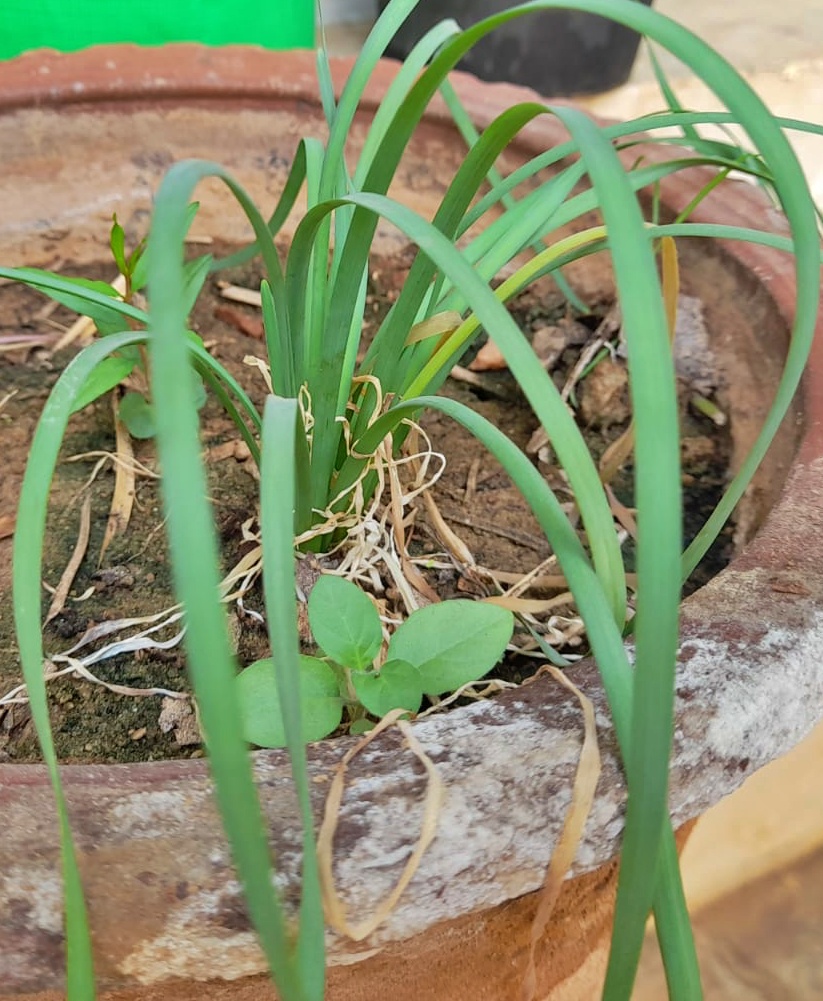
[92, 723]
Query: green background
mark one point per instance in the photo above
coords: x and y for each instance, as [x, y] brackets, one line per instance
[76, 24]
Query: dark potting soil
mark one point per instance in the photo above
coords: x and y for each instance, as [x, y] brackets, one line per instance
[92, 723]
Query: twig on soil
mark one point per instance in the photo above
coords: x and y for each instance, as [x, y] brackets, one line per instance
[542, 581]
[104, 457]
[131, 644]
[460, 552]
[67, 579]
[122, 501]
[396, 507]
[46, 310]
[530, 606]
[576, 374]
[24, 342]
[18, 697]
[533, 542]
[236, 293]
[526, 581]
[471, 480]
[77, 667]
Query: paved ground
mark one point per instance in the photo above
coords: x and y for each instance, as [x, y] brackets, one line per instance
[758, 36]
[761, 943]
[795, 91]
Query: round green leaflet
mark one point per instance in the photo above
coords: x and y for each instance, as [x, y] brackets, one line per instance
[453, 643]
[344, 622]
[397, 685]
[320, 702]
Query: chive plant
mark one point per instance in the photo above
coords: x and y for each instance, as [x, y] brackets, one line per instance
[313, 309]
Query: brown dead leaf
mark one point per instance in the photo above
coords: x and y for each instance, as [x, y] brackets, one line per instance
[235, 449]
[488, 359]
[550, 341]
[604, 395]
[623, 514]
[459, 550]
[538, 441]
[251, 326]
[6, 525]
[177, 715]
[613, 459]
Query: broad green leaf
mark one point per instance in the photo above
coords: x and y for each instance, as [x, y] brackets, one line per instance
[136, 413]
[200, 395]
[139, 267]
[129, 266]
[133, 264]
[320, 704]
[108, 320]
[109, 373]
[117, 242]
[191, 212]
[344, 622]
[195, 339]
[452, 643]
[397, 685]
[361, 726]
[196, 272]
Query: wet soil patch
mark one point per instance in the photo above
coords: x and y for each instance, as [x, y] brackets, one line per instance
[475, 496]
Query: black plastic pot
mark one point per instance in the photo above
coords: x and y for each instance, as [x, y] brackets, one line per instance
[557, 52]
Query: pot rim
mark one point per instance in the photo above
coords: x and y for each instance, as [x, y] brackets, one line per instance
[758, 621]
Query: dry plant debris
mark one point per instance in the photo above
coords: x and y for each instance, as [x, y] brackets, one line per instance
[334, 908]
[583, 792]
[381, 549]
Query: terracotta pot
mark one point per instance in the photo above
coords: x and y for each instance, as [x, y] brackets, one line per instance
[86, 134]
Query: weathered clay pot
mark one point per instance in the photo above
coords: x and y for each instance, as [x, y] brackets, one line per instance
[87, 134]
